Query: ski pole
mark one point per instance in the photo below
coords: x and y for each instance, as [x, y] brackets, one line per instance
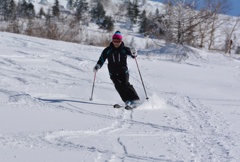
[91, 98]
[141, 79]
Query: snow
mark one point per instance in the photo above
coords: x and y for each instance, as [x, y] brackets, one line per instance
[45, 112]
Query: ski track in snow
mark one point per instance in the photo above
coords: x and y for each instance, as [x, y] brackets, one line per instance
[188, 129]
[199, 134]
[209, 139]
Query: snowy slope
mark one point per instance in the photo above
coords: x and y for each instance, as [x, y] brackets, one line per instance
[45, 112]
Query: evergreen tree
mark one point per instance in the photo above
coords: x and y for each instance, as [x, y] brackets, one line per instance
[133, 11]
[81, 9]
[22, 9]
[70, 4]
[8, 9]
[3, 9]
[41, 13]
[98, 13]
[55, 9]
[144, 23]
[156, 13]
[25, 10]
[30, 13]
[107, 24]
[13, 9]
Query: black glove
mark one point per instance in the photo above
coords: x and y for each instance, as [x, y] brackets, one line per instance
[96, 67]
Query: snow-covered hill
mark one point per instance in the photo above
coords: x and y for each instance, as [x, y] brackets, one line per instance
[113, 8]
[45, 112]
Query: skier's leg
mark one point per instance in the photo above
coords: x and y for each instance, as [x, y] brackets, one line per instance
[119, 86]
[132, 94]
[129, 89]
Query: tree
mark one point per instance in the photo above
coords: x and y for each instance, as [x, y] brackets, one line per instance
[25, 10]
[144, 23]
[51, 27]
[4, 9]
[183, 24]
[55, 9]
[30, 13]
[215, 8]
[156, 12]
[70, 4]
[203, 28]
[177, 23]
[1, 6]
[108, 24]
[133, 11]
[12, 10]
[98, 13]
[14, 26]
[29, 29]
[81, 9]
[22, 9]
[180, 23]
[41, 13]
[229, 34]
[8, 9]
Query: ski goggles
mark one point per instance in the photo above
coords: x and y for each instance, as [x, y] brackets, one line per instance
[116, 41]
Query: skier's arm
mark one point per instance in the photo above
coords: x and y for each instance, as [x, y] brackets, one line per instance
[101, 61]
[132, 52]
[102, 58]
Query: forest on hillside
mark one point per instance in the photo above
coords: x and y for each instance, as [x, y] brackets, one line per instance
[178, 21]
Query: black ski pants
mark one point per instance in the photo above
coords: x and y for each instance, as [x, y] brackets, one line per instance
[124, 88]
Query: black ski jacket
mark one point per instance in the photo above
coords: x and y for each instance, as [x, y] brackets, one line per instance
[117, 59]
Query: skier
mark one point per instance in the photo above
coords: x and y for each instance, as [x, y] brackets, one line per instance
[116, 53]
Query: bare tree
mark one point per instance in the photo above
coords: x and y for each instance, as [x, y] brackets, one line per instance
[229, 34]
[180, 22]
[14, 26]
[184, 23]
[215, 7]
[203, 27]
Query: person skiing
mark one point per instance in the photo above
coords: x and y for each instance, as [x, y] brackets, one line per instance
[116, 54]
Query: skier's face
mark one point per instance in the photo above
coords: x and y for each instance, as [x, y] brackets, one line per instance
[116, 42]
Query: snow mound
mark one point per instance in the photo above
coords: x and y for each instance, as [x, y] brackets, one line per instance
[180, 53]
[175, 53]
[153, 103]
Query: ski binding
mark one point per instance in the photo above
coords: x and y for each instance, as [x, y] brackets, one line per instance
[117, 106]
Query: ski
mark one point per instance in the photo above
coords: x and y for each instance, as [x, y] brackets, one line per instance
[117, 106]
[130, 107]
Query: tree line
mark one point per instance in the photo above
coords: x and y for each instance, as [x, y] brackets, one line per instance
[179, 21]
[189, 22]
